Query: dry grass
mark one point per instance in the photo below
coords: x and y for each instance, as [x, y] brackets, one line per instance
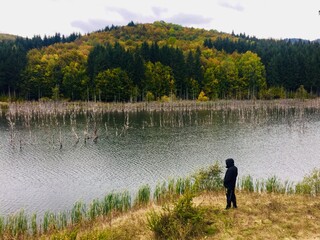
[264, 216]
[259, 216]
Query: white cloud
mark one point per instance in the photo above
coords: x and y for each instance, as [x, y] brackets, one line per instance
[159, 10]
[189, 19]
[227, 4]
[262, 18]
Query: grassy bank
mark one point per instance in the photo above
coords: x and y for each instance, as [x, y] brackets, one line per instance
[259, 216]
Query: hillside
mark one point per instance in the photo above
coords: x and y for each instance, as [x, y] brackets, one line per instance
[158, 61]
[7, 37]
[163, 33]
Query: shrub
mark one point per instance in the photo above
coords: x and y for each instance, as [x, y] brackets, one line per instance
[310, 184]
[149, 96]
[301, 93]
[273, 93]
[202, 97]
[209, 178]
[165, 99]
[184, 221]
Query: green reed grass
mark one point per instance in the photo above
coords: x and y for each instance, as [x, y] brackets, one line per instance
[273, 185]
[117, 202]
[160, 192]
[246, 184]
[78, 212]
[49, 222]
[171, 188]
[143, 197]
[34, 224]
[16, 225]
[188, 185]
[107, 204]
[22, 223]
[63, 220]
[95, 209]
[259, 186]
[126, 201]
[270, 185]
[2, 225]
[179, 187]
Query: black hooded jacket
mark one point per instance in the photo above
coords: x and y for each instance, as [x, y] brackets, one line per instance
[231, 174]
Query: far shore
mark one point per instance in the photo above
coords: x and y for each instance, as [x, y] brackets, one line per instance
[62, 107]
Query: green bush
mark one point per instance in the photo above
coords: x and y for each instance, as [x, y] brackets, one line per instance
[301, 93]
[273, 93]
[149, 97]
[310, 184]
[209, 179]
[202, 97]
[184, 221]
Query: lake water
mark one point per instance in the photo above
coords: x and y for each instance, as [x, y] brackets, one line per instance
[44, 166]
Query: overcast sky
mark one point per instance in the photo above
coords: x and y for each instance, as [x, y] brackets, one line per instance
[261, 18]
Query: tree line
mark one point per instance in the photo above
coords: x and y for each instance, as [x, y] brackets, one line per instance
[126, 64]
[289, 63]
[13, 58]
[111, 72]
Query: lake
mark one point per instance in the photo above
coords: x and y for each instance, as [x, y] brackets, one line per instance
[50, 161]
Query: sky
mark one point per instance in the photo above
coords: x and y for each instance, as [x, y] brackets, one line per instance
[278, 19]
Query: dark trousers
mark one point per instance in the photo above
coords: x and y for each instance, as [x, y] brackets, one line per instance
[231, 198]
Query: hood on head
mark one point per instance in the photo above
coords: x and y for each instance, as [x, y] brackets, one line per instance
[229, 162]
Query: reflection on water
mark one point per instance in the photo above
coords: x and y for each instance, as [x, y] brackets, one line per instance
[48, 163]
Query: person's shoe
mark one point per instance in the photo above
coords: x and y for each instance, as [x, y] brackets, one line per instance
[227, 207]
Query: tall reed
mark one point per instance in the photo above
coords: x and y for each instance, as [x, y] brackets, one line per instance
[78, 212]
[143, 196]
[34, 224]
[95, 209]
[108, 204]
[160, 192]
[246, 184]
[126, 201]
[2, 225]
[49, 222]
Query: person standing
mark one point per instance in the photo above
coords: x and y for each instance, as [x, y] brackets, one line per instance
[229, 183]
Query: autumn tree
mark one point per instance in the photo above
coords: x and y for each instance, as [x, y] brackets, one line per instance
[159, 80]
[251, 73]
[113, 85]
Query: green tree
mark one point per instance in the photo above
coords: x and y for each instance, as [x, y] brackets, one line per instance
[75, 81]
[159, 79]
[227, 74]
[114, 85]
[252, 73]
[211, 83]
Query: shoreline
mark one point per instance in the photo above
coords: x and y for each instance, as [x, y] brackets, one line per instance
[62, 107]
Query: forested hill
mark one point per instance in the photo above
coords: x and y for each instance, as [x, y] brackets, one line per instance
[7, 37]
[156, 61]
